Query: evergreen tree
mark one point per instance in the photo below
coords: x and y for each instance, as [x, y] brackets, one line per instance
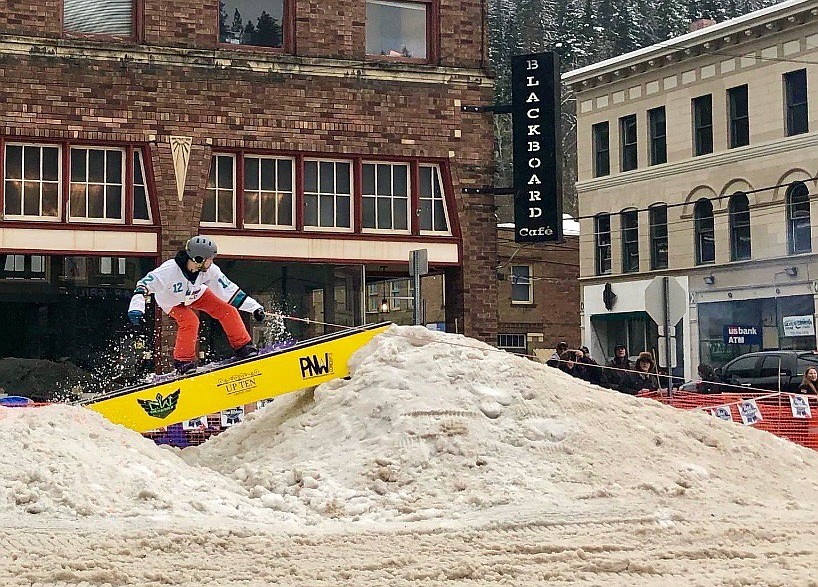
[250, 34]
[238, 25]
[268, 31]
[222, 22]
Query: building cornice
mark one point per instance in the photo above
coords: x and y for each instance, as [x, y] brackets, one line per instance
[692, 271]
[737, 155]
[727, 34]
[226, 60]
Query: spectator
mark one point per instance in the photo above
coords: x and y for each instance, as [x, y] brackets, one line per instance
[619, 366]
[642, 379]
[592, 367]
[708, 379]
[809, 383]
[554, 361]
[571, 362]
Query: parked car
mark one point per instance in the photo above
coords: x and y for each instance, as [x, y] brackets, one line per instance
[772, 370]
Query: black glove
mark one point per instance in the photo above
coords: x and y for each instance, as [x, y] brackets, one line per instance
[259, 314]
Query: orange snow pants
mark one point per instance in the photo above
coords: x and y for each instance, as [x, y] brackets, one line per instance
[188, 322]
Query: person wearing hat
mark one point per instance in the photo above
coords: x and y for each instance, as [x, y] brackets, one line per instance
[192, 281]
[643, 378]
[616, 368]
[555, 359]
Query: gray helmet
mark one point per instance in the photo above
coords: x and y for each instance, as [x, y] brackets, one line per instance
[200, 248]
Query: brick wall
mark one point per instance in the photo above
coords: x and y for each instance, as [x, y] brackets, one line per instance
[331, 28]
[555, 311]
[40, 18]
[104, 96]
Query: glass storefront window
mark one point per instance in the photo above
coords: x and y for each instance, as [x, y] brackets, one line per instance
[766, 313]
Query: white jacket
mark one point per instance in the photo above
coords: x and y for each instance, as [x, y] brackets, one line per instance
[170, 287]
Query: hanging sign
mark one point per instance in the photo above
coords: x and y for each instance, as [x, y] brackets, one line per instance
[535, 100]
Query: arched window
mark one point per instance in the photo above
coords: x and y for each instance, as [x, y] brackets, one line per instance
[602, 237]
[657, 215]
[798, 223]
[740, 242]
[630, 241]
[705, 232]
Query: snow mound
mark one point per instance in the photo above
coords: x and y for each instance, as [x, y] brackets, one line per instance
[70, 461]
[433, 425]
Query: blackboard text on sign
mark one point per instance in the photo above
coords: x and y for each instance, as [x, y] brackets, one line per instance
[535, 98]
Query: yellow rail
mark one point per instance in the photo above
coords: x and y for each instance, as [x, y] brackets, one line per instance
[306, 364]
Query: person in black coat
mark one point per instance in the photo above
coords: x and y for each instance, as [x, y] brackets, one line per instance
[618, 367]
[572, 363]
[642, 379]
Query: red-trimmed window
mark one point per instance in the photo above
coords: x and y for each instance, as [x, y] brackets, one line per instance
[219, 207]
[401, 29]
[327, 195]
[268, 192]
[385, 196]
[289, 192]
[257, 23]
[99, 184]
[434, 217]
[108, 18]
[32, 182]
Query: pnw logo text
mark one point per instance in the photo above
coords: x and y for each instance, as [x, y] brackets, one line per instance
[161, 407]
[315, 365]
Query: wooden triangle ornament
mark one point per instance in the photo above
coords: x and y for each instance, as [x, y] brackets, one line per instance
[180, 151]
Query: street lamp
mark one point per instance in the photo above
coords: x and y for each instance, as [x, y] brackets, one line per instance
[384, 307]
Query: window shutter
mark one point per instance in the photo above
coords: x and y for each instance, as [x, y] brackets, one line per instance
[106, 17]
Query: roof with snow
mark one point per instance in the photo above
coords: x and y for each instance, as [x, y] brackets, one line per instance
[692, 39]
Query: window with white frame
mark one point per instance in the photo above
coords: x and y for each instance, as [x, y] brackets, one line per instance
[397, 29]
[517, 343]
[97, 190]
[374, 294]
[268, 191]
[112, 265]
[24, 267]
[385, 196]
[141, 202]
[328, 194]
[521, 284]
[220, 196]
[99, 17]
[395, 294]
[32, 182]
[433, 216]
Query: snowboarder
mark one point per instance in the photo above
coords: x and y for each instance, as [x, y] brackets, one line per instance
[192, 281]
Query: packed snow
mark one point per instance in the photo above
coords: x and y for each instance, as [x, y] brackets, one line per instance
[440, 459]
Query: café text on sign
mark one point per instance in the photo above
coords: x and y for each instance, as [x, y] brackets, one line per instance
[537, 174]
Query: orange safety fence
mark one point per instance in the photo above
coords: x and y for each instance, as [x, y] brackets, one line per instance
[775, 408]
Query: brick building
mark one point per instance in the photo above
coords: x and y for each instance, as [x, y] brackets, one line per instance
[317, 142]
[538, 292]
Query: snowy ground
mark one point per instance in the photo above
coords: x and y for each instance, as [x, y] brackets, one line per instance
[440, 461]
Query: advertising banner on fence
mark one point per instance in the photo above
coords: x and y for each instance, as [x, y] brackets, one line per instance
[535, 100]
